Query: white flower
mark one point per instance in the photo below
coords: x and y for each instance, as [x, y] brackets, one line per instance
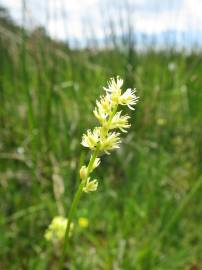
[104, 107]
[114, 89]
[100, 115]
[120, 122]
[110, 142]
[114, 85]
[90, 185]
[91, 139]
[104, 104]
[128, 98]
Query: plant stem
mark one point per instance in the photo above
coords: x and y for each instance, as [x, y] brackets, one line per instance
[73, 207]
[78, 196]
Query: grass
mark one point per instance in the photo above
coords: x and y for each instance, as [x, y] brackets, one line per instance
[146, 214]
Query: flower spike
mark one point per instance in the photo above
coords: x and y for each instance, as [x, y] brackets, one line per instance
[101, 139]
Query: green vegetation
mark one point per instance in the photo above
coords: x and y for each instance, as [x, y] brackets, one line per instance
[146, 214]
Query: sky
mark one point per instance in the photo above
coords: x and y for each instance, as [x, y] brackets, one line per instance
[80, 19]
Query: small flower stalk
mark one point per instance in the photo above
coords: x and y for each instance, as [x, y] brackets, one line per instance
[101, 140]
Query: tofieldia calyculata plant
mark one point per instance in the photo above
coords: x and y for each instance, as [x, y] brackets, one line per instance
[102, 139]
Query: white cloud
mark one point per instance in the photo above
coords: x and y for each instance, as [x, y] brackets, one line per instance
[15, 8]
[76, 19]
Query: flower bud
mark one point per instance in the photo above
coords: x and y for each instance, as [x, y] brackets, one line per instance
[95, 164]
[90, 185]
[83, 172]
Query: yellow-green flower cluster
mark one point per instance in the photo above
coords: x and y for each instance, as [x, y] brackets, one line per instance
[56, 229]
[83, 222]
[105, 138]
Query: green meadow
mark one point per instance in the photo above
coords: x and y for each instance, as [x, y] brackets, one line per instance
[147, 211]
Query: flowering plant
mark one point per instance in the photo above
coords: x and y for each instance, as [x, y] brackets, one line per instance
[102, 139]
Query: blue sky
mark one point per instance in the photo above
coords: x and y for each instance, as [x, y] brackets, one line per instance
[78, 19]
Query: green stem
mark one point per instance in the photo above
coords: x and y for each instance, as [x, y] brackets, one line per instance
[78, 196]
[112, 115]
[73, 207]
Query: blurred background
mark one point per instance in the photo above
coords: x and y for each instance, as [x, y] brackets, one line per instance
[55, 57]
